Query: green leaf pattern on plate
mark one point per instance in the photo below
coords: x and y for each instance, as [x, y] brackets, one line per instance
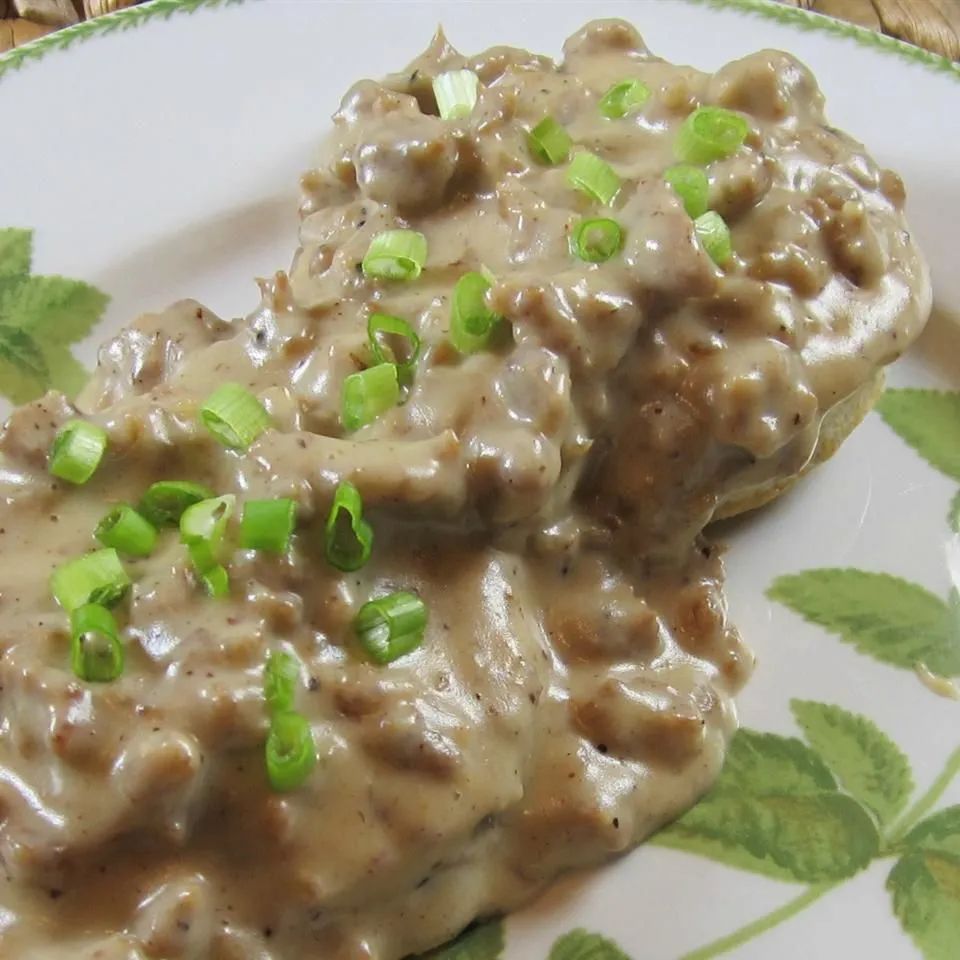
[776, 810]
[581, 945]
[480, 942]
[869, 765]
[898, 623]
[925, 888]
[890, 619]
[929, 420]
[20, 350]
[15, 254]
[39, 318]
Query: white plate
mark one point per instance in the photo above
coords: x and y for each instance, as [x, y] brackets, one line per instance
[160, 162]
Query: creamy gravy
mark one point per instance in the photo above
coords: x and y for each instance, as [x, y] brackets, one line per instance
[546, 499]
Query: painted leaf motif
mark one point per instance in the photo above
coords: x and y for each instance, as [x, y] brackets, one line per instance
[16, 249]
[775, 810]
[929, 420]
[890, 619]
[868, 764]
[20, 350]
[813, 838]
[698, 844]
[67, 374]
[759, 763]
[56, 308]
[940, 832]
[18, 385]
[481, 942]
[925, 887]
[582, 945]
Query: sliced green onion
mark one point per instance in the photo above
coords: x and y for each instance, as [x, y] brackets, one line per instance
[96, 653]
[690, 184]
[202, 529]
[593, 176]
[369, 393]
[549, 142]
[207, 520]
[127, 531]
[291, 752]
[268, 524]
[714, 235]
[710, 133]
[395, 255]
[96, 577]
[623, 98]
[164, 502]
[280, 676]
[472, 323]
[391, 626]
[349, 538]
[215, 580]
[234, 416]
[77, 450]
[384, 332]
[596, 240]
[456, 93]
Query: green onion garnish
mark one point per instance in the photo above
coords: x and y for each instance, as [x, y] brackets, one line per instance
[207, 520]
[596, 240]
[456, 93]
[77, 450]
[549, 142]
[472, 323]
[395, 255]
[96, 653]
[280, 676]
[710, 133]
[268, 524]
[623, 98]
[234, 416]
[164, 502]
[714, 235]
[127, 531]
[690, 184]
[393, 340]
[595, 177]
[202, 529]
[96, 577]
[391, 626]
[291, 752]
[215, 579]
[367, 394]
[349, 538]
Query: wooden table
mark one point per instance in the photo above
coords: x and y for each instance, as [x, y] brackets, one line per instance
[933, 24]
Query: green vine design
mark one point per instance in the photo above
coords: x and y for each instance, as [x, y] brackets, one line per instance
[121, 20]
[815, 811]
[819, 812]
[808, 20]
[132, 17]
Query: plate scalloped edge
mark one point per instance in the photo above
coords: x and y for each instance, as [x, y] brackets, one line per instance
[131, 17]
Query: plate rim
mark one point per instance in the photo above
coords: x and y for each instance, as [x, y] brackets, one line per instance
[130, 18]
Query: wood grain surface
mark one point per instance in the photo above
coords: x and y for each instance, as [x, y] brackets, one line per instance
[932, 24]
